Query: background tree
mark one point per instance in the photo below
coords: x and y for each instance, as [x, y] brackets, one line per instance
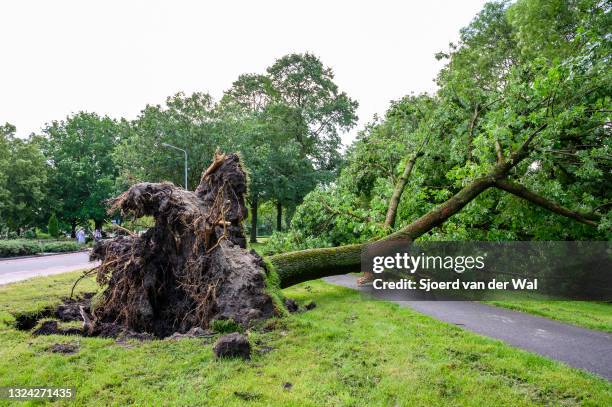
[295, 113]
[53, 226]
[82, 172]
[23, 180]
[5, 132]
[187, 122]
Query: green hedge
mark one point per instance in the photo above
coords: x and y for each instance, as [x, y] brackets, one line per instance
[12, 248]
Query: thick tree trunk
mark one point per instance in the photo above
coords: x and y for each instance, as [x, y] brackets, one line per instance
[254, 204]
[399, 190]
[296, 267]
[279, 216]
[73, 229]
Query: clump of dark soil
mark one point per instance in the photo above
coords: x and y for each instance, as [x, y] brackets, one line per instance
[262, 350]
[291, 305]
[53, 328]
[233, 345]
[191, 268]
[68, 310]
[65, 348]
[110, 330]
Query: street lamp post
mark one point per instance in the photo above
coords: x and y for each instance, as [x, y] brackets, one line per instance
[184, 152]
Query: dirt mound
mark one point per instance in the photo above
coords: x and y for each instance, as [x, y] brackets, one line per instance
[190, 268]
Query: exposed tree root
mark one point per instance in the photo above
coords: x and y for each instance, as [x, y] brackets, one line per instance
[191, 267]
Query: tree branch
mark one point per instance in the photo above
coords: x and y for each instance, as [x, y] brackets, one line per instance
[499, 152]
[522, 192]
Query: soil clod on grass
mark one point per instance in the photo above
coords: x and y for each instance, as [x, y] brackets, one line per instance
[25, 321]
[69, 309]
[265, 349]
[310, 305]
[65, 348]
[291, 305]
[233, 345]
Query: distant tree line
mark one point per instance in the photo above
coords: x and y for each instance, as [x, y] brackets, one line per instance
[286, 124]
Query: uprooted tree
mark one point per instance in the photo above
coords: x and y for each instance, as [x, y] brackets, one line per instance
[193, 265]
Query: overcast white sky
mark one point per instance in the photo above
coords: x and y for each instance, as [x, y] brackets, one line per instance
[114, 57]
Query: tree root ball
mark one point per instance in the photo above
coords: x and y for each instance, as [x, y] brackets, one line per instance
[189, 269]
[233, 345]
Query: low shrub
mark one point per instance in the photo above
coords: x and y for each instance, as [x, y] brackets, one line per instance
[22, 247]
[57, 247]
[12, 248]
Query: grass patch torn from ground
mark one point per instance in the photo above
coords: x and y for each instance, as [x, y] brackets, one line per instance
[345, 352]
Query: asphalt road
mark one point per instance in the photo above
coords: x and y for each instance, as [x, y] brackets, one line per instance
[12, 270]
[578, 347]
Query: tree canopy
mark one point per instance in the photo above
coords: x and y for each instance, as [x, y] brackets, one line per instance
[81, 168]
[528, 69]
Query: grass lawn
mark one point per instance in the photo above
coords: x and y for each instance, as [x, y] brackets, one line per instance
[260, 246]
[594, 315]
[347, 351]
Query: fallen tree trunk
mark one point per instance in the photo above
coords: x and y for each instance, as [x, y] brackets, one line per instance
[295, 267]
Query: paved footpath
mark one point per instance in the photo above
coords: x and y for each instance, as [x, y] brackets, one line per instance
[12, 270]
[578, 347]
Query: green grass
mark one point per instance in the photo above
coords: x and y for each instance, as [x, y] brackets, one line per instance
[260, 246]
[348, 351]
[588, 314]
